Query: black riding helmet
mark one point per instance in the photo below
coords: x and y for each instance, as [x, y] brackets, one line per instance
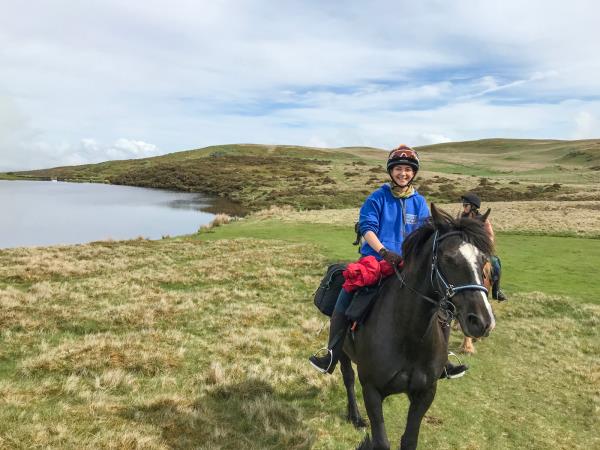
[472, 198]
[403, 155]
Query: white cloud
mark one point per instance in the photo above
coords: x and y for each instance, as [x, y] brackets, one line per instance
[186, 74]
[587, 126]
[127, 148]
[41, 154]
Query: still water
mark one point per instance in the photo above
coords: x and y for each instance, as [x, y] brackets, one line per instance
[47, 213]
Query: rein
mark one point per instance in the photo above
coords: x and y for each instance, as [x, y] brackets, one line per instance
[445, 308]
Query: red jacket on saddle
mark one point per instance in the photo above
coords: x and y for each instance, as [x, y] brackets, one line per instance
[366, 271]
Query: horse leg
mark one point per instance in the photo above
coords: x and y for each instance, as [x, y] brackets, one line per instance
[420, 402]
[467, 346]
[374, 404]
[348, 375]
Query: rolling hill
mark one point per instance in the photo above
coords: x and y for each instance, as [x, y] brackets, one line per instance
[252, 176]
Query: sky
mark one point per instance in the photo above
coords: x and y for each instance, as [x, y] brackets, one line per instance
[90, 81]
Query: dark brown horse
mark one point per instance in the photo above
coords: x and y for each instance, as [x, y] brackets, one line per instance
[403, 347]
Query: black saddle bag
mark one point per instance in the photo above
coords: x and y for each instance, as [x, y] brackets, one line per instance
[328, 291]
[362, 303]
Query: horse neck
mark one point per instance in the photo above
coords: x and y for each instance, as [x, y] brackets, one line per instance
[417, 314]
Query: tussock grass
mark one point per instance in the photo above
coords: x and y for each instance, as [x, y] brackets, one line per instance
[143, 344]
[201, 342]
[580, 218]
[95, 352]
[220, 219]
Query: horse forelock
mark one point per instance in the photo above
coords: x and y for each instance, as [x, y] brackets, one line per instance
[471, 231]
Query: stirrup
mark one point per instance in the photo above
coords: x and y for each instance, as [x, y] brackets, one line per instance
[456, 356]
[460, 363]
[329, 352]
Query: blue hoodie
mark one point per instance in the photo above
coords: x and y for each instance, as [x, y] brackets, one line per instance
[391, 218]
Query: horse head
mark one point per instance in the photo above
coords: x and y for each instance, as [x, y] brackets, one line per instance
[459, 258]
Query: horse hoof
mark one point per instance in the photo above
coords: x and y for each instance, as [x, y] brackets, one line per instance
[366, 444]
[358, 422]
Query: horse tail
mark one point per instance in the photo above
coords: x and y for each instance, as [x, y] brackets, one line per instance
[366, 443]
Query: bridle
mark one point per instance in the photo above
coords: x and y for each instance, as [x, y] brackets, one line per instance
[445, 308]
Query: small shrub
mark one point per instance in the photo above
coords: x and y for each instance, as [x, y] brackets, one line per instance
[552, 187]
[220, 219]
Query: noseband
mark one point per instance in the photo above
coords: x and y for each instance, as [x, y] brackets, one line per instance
[446, 309]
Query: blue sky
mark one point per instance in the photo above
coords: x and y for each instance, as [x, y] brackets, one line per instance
[96, 80]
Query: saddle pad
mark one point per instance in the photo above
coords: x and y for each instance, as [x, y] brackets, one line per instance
[362, 303]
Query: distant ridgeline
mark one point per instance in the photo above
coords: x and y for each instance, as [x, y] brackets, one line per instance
[257, 176]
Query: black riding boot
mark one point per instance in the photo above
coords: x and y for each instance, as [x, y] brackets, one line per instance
[497, 294]
[337, 332]
[454, 371]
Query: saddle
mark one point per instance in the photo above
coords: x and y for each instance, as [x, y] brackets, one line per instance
[361, 305]
[329, 289]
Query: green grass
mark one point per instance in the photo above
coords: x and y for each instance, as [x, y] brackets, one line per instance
[540, 359]
[551, 264]
[202, 342]
[463, 169]
[554, 265]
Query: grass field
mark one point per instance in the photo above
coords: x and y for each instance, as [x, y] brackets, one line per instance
[201, 342]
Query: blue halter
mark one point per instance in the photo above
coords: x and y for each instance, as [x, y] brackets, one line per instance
[446, 309]
[448, 289]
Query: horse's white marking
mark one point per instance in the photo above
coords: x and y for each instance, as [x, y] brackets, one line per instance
[470, 253]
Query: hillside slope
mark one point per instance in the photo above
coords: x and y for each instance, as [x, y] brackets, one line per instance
[255, 176]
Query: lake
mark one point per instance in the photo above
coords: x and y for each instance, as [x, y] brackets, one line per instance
[47, 213]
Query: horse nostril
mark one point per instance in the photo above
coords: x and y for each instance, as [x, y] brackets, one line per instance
[475, 323]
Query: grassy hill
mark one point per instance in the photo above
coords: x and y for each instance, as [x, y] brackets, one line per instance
[202, 342]
[257, 176]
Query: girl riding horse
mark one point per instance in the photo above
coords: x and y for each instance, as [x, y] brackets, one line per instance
[387, 216]
[471, 205]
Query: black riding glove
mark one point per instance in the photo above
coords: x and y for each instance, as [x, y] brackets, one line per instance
[392, 257]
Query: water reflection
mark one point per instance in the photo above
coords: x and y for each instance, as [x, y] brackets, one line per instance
[46, 213]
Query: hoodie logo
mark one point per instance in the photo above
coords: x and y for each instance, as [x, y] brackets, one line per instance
[411, 219]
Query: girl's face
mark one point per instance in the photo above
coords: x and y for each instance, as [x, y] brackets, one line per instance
[402, 174]
[467, 208]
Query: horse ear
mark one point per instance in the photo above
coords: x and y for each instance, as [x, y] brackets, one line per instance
[485, 216]
[436, 216]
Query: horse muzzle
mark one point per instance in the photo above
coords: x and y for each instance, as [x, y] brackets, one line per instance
[477, 326]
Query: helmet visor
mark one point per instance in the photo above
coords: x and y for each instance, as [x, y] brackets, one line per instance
[404, 153]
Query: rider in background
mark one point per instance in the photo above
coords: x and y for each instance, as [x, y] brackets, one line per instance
[387, 216]
[471, 204]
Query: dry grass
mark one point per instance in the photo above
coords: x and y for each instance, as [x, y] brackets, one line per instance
[576, 217]
[220, 219]
[144, 344]
[92, 354]
[182, 343]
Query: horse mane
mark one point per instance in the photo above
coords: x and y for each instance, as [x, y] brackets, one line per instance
[471, 231]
